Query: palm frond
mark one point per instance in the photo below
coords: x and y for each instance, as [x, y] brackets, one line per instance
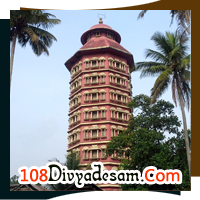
[43, 35]
[31, 33]
[155, 55]
[185, 63]
[142, 13]
[153, 71]
[144, 65]
[39, 47]
[161, 84]
[162, 44]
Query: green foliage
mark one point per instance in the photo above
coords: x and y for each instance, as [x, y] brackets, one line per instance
[144, 142]
[171, 64]
[29, 26]
[14, 180]
[72, 163]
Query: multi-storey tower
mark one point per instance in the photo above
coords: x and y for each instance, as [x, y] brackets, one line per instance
[100, 88]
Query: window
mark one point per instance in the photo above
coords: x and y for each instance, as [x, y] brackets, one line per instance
[126, 117]
[86, 115]
[86, 64]
[94, 154]
[98, 33]
[113, 133]
[88, 37]
[102, 78]
[94, 96]
[94, 133]
[103, 153]
[86, 97]
[87, 80]
[94, 63]
[102, 96]
[86, 134]
[117, 65]
[85, 154]
[103, 132]
[119, 98]
[102, 63]
[120, 115]
[73, 119]
[103, 114]
[108, 34]
[94, 114]
[113, 114]
[94, 79]
[118, 80]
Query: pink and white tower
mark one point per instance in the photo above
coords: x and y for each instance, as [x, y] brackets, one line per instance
[100, 88]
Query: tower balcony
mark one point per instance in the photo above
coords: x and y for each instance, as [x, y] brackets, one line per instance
[75, 89]
[94, 100]
[74, 123]
[76, 73]
[94, 83]
[75, 106]
[94, 67]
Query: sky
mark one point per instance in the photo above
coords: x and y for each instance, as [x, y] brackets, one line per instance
[39, 103]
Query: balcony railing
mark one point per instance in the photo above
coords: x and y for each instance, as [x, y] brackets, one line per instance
[94, 137]
[95, 158]
[94, 83]
[92, 100]
[118, 84]
[94, 118]
[94, 67]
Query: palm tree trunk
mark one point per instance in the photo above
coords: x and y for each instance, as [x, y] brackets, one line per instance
[12, 56]
[186, 135]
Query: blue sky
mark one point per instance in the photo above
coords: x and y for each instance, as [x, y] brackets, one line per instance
[39, 101]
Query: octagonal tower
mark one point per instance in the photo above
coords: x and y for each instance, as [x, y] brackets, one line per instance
[100, 88]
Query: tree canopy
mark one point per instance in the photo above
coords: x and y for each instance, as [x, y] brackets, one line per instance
[144, 142]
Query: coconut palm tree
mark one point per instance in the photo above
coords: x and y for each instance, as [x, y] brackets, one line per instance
[29, 26]
[171, 64]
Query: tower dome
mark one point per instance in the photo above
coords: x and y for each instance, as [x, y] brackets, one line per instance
[101, 27]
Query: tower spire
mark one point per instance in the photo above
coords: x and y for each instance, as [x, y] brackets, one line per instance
[100, 21]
